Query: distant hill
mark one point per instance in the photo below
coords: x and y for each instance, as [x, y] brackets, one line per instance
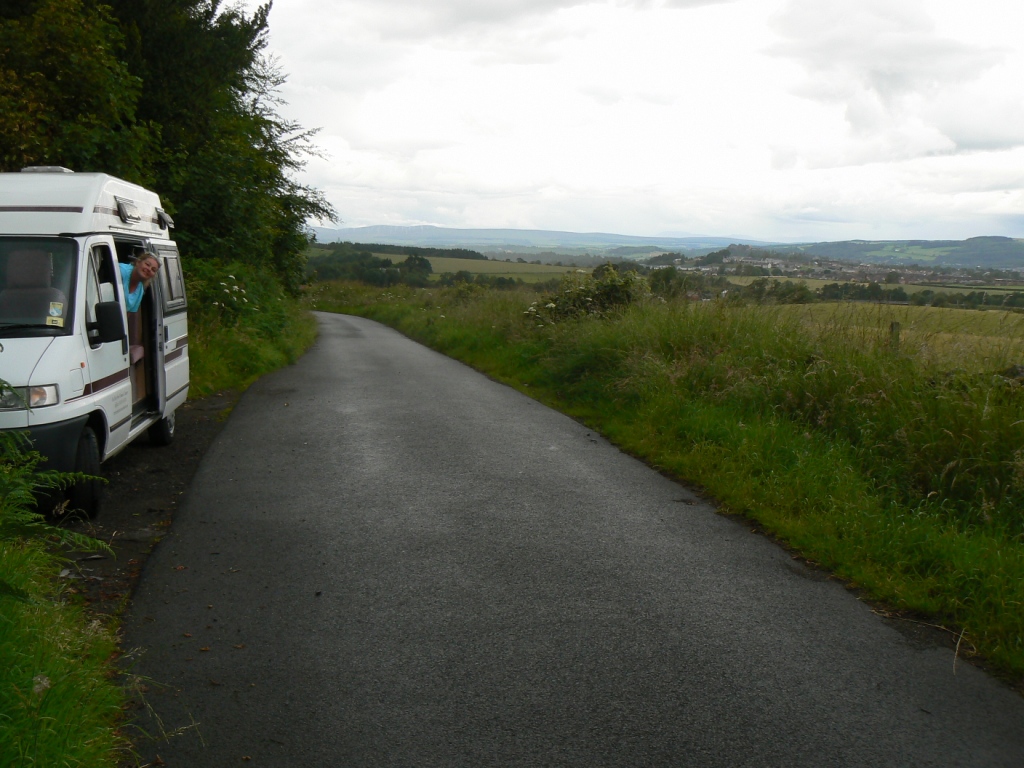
[990, 252]
[987, 252]
[511, 239]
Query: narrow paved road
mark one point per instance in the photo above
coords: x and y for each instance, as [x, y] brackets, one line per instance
[387, 559]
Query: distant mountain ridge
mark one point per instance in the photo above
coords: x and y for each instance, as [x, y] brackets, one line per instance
[509, 239]
[985, 252]
[976, 252]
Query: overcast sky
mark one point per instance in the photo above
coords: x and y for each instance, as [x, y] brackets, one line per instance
[767, 119]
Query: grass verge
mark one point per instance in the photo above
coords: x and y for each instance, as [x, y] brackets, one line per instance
[233, 357]
[59, 704]
[900, 475]
[241, 326]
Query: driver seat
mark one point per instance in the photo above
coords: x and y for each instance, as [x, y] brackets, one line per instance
[27, 292]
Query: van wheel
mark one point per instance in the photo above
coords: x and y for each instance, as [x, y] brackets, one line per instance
[84, 497]
[162, 433]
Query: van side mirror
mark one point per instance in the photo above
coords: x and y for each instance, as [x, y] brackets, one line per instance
[109, 322]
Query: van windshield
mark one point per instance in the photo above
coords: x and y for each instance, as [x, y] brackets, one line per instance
[36, 285]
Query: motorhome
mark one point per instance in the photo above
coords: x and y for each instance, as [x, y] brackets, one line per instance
[82, 375]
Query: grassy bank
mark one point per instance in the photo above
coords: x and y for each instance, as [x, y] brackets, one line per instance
[894, 468]
[59, 704]
[241, 325]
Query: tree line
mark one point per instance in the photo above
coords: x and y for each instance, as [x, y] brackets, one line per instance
[670, 282]
[366, 263]
[399, 250]
[176, 95]
[364, 267]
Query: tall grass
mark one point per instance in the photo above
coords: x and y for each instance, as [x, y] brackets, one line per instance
[241, 325]
[899, 467]
[58, 705]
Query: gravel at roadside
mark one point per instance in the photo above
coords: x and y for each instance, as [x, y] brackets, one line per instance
[145, 485]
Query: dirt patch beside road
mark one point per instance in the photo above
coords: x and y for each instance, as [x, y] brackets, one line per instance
[146, 484]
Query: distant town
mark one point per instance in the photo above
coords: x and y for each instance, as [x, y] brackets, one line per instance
[748, 261]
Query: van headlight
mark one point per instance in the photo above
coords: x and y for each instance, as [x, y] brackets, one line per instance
[19, 398]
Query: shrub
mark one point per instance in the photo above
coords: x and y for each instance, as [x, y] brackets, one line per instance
[605, 290]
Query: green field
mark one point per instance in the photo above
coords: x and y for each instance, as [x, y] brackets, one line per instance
[954, 288]
[915, 252]
[815, 283]
[953, 338]
[528, 273]
[811, 282]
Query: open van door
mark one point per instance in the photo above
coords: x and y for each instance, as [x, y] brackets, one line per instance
[174, 333]
[107, 374]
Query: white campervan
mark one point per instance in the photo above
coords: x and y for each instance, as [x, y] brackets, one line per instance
[83, 376]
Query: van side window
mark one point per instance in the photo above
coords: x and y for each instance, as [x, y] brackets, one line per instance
[99, 284]
[172, 281]
[105, 269]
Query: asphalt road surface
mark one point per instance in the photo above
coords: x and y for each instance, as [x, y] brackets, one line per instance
[387, 559]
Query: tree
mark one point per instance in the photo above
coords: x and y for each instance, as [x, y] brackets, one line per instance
[416, 263]
[66, 98]
[174, 94]
[716, 257]
[229, 157]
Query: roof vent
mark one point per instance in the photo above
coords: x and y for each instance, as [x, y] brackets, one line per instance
[127, 211]
[164, 219]
[46, 169]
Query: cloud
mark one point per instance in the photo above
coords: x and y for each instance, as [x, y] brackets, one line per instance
[675, 4]
[410, 20]
[890, 69]
[981, 116]
[772, 119]
[416, 20]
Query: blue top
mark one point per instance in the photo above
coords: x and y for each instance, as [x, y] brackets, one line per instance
[133, 300]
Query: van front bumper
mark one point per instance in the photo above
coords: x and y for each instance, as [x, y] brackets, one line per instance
[57, 442]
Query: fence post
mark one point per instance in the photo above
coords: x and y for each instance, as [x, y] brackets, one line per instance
[894, 336]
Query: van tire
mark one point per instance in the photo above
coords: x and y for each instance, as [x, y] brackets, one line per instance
[162, 433]
[84, 497]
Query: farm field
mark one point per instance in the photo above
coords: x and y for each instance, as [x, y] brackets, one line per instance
[812, 283]
[954, 288]
[528, 273]
[816, 283]
[916, 252]
[955, 338]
